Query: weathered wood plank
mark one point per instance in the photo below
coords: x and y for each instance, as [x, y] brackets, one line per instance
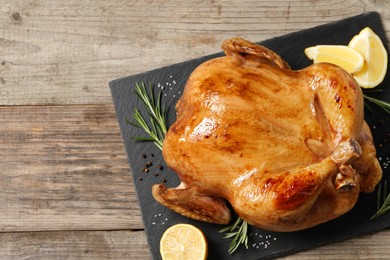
[373, 246]
[64, 168]
[132, 245]
[74, 245]
[65, 52]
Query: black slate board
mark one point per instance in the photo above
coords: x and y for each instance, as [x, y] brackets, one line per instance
[262, 244]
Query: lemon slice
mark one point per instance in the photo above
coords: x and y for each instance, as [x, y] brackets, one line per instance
[371, 47]
[343, 56]
[183, 241]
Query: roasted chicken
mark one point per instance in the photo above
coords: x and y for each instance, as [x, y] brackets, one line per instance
[288, 149]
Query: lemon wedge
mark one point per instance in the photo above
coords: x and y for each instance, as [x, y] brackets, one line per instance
[343, 56]
[183, 241]
[370, 46]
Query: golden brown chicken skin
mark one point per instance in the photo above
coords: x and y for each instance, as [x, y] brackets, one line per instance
[287, 149]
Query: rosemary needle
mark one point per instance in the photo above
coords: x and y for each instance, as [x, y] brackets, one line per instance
[381, 103]
[384, 209]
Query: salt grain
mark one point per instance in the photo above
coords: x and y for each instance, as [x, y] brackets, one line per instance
[265, 240]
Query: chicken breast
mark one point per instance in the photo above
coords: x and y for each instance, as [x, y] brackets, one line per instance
[287, 149]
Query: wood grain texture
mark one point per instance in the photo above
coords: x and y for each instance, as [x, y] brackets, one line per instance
[117, 245]
[366, 247]
[65, 52]
[64, 168]
[124, 244]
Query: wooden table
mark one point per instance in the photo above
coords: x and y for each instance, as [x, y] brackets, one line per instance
[66, 190]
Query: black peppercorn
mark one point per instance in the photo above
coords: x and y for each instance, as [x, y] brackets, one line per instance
[148, 164]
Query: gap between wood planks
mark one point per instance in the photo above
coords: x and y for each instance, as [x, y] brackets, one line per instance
[64, 230]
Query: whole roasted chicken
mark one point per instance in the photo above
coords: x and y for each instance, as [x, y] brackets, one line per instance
[287, 149]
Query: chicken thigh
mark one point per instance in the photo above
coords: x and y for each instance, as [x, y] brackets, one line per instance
[287, 149]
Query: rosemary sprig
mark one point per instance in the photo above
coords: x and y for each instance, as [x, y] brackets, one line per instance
[157, 115]
[239, 232]
[381, 103]
[382, 196]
